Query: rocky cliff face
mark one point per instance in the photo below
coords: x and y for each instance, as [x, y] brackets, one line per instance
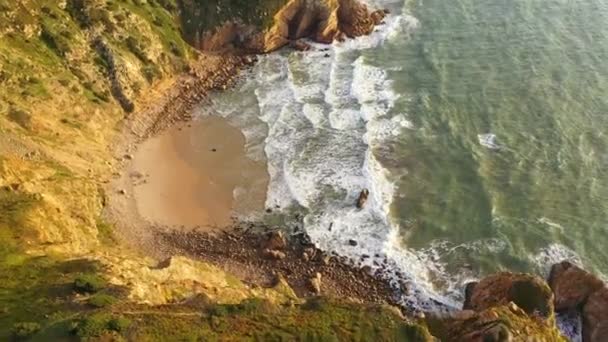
[322, 21]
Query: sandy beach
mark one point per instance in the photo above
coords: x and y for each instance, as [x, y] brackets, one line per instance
[188, 176]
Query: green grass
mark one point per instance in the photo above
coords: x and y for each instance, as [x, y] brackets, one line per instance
[33, 289]
[256, 320]
[89, 283]
[102, 300]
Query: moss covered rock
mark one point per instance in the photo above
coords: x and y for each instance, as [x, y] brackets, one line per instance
[501, 323]
[528, 292]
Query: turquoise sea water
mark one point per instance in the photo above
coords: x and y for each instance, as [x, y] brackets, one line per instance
[479, 127]
[532, 72]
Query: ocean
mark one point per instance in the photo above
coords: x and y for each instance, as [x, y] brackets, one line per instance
[478, 126]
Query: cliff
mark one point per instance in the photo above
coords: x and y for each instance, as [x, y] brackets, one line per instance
[265, 26]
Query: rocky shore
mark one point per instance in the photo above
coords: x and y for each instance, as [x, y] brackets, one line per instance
[261, 255]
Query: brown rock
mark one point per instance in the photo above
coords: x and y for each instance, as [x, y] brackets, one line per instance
[595, 317]
[305, 257]
[315, 283]
[276, 241]
[272, 254]
[528, 292]
[377, 16]
[363, 196]
[322, 21]
[325, 260]
[497, 324]
[300, 45]
[468, 293]
[572, 285]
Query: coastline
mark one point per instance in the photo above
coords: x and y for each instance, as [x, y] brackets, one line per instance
[239, 247]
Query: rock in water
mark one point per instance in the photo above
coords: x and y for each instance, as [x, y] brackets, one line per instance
[595, 317]
[572, 285]
[363, 196]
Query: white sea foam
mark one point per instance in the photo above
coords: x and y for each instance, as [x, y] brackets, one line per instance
[322, 117]
[553, 254]
[489, 141]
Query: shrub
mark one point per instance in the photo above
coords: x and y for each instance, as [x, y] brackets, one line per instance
[20, 117]
[58, 43]
[102, 300]
[25, 330]
[119, 324]
[92, 326]
[89, 283]
[99, 324]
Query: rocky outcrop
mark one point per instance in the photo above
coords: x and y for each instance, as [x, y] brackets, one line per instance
[528, 292]
[501, 307]
[595, 317]
[113, 74]
[323, 21]
[572, 285]
[320, 20]
[575, 290]
[501, 323]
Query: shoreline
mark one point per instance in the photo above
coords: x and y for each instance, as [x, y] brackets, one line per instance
[240, 247]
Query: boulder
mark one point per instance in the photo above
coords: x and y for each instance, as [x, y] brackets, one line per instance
[276, 241]
[315, 283]
[528, 292]
[272, 254]
[300, 45]
[363, 196]
[572, 285]
[595, 317]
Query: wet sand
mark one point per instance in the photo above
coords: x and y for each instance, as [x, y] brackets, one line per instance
[189, 176]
